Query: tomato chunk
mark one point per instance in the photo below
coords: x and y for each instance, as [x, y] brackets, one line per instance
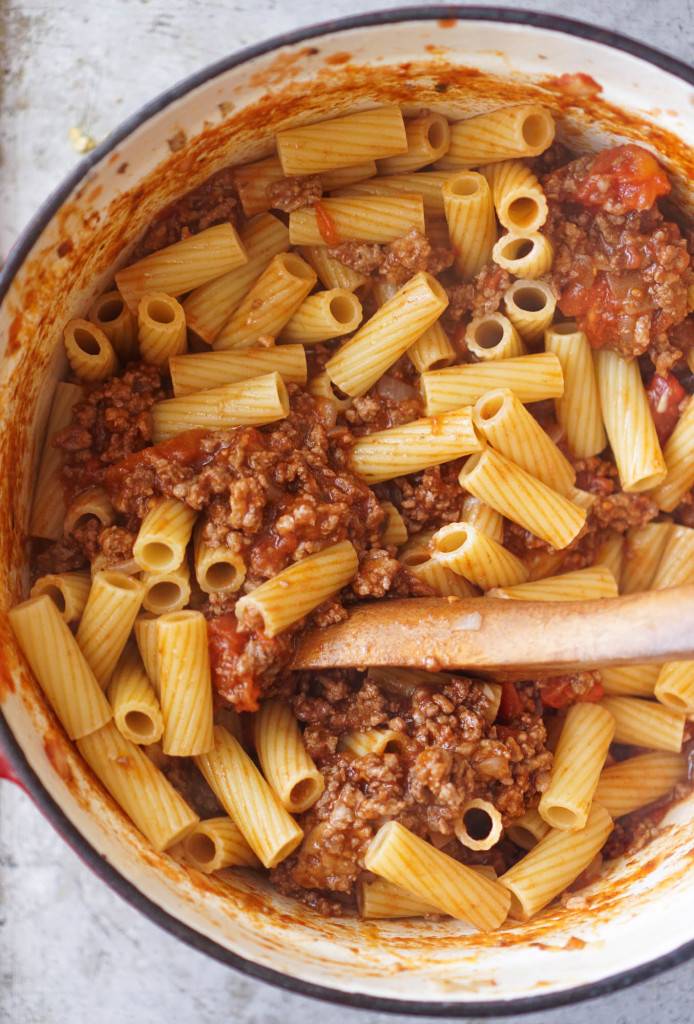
[628, 176]
[326, 225]
[559, 692]
[511, 706]
[664, 396]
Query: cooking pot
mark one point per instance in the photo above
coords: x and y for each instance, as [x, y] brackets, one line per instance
[639, 917]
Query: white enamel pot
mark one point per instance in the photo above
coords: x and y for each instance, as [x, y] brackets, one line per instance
[639, 918]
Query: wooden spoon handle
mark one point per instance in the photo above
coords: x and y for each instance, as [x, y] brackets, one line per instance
[514, 638]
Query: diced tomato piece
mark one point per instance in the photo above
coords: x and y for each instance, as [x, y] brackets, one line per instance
[628, 175]
[326, 225]
[664, 396]
[558, 692]
[510, 706]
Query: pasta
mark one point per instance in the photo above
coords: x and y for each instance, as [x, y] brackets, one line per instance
[519, 201]
[521, 497]
[532, 378]
[208, 307]
[493, 337]
[274, 298]
[89, 352]
[253, 401]
[342, 141]
[111, 315]
[515, 131]
[387, 335]
[467, 202]
[48, 506]
[629, 423]
[201, 370]
[299, 589]
[371, 218]
[427, 442]
[183, 266]
[267, 827]
[161, 328]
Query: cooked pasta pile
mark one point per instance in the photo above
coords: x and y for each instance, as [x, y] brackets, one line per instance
[397, 357]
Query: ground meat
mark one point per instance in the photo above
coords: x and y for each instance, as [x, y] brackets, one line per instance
[397, 261]
[64, 555]
[476, 298]
[363, 257]
[214, 202]
[292, 193]
[113, 421]
[429, 499]
[412, 253]
[620, 512]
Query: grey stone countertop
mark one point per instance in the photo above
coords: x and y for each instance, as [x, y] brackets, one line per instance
[71, 951]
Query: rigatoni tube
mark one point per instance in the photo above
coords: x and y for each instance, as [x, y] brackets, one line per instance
[200, 370]
[628, 785]
[322, 316]
[532, 378]
[247, 798]
[112, 606]
[471, 553]
[554, 863]
[628, 422]
[522, 498]
[59, 666]
[89, 352]
[218, 843]
[251, 402]
[493, 336]
[580, 585]
[364, 218]
[578, 409]
[404, 859]
[469, 210]
[208, 307]
[185, 683]
[643, 723]
[387, 335]
[283, 758]
[185, 265]
[143, 792]
[68, 591]
[299, 589]
[521, 130]
[136, 710]
[413, 446]
[161, 328]
[160, 545]
[578, 760]
[271, 302]
[342, 141]
[48, 506]
[506, 424]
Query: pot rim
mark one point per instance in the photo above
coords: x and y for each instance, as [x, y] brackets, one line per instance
[25, 775]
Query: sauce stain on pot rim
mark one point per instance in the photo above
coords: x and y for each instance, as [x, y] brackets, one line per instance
[41, 279]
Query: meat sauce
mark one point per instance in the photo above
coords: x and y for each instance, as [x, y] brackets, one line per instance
[278, 493]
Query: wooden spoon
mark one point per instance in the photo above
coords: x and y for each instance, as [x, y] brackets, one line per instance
[506, 638]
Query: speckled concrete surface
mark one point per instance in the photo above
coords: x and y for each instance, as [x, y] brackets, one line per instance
[70, 950]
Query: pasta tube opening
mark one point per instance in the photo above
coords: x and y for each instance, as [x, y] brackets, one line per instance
[140, 726]
[480, 827]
